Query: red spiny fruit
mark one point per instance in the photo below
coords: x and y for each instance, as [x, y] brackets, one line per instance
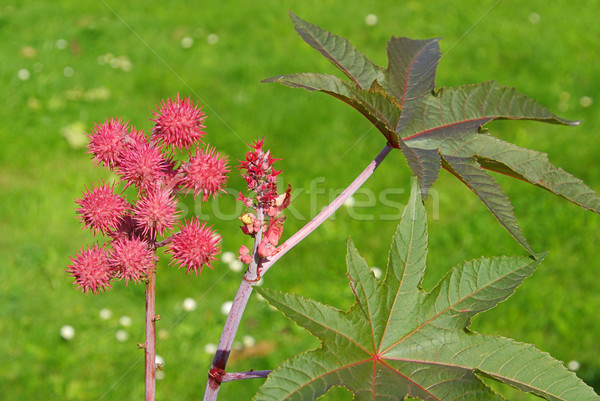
[178, 123]
[131, 259]
[141, 163]
[195, 245]
[155, 212]
[91, 269]
[106, 141]
[101, 209]
[205, 173]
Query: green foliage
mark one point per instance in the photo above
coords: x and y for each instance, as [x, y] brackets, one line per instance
[440, 128]
[398, 340]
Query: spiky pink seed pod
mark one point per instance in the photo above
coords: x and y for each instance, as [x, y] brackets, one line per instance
[178, 123]
[141, 163]
[101, 209]
[155, 212]
[205, 173]
[194, 246]
[91, 269]
[131, 259]
[106, 141]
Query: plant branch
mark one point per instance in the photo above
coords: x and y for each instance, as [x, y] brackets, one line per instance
[217, 374]
[150, 344]
[253, 374]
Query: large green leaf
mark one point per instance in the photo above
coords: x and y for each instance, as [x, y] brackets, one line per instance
[431, 125]
[398, 340]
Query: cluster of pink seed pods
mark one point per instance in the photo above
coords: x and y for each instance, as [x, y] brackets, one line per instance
[147, 163]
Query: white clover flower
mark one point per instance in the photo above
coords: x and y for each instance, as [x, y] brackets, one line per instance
[210, 348]
[187, 42]
[125, 321]
[212, 38]
[350, 201]
[189, 304]
[573, 366]
[248, 341]
[67, 332]
[371, 19]
[105, 313]
[23, 74]
[226, 307]
[228, 257]
[236, 266]
[122, 336]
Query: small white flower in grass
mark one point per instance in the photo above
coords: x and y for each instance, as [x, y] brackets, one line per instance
[248, 341]
[122, 336]
[68, 71]
[586, 101]
[371, 19]
[236, 266]
[226, 307]
[126, 65]
[189, 304]
[212, 38]
[376, 272]
[159, 360]
[125, 321]
[67, 332]
[23, 74]
[573, 366]
[105, 313]
[187, 42]
[210, 348]
[61, 44]
[159, 375]
[534, 18]
[349, 202]
[228, 257]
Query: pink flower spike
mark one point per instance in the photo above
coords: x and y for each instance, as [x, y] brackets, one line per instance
[178, 124]
[155, 212]
[101, 209]
[142, 164]
[195, 245]
[205, 173]
[91, 270]
[131, 259]
[106, 142]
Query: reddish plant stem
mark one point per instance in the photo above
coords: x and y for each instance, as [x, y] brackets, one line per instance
[253, 374]
[150, 344]
[217, 374]
[217, 370]
[328, 211]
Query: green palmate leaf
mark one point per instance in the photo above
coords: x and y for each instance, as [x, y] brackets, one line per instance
[488, 190]
[398, 340]
[340, 52]
[429, 125]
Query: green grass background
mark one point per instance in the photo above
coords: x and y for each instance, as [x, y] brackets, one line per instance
[554, 59]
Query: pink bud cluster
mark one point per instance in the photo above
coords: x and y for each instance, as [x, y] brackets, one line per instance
[261, 178]
[147, 163]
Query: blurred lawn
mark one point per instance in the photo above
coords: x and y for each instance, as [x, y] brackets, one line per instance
[65, 66]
